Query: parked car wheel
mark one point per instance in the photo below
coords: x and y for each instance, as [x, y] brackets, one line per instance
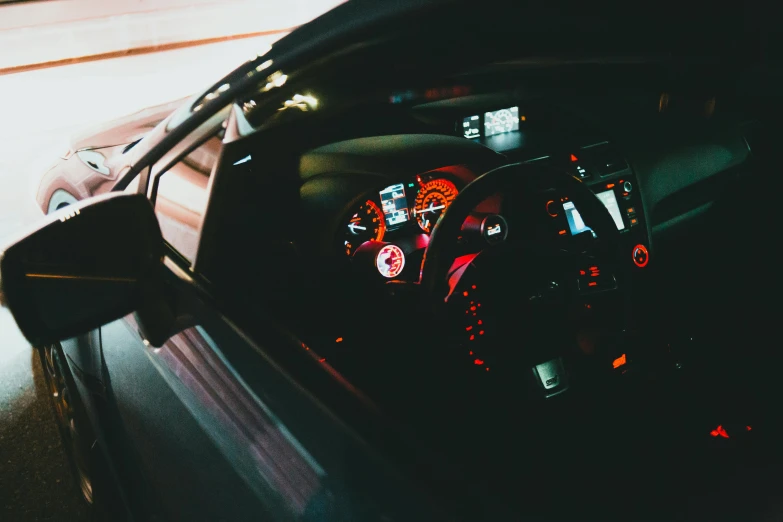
[68, 413]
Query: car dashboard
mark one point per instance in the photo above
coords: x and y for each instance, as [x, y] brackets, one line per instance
[372, 198]
[401, 209]
[378, 198]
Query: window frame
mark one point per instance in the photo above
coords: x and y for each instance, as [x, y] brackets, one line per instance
[151, 175]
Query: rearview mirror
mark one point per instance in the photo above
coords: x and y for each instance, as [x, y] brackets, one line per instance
[86, 265]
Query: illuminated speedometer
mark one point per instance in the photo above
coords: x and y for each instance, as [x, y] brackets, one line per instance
[365, 225]
[433, 199]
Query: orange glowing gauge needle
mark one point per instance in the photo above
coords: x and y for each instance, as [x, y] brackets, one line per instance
[431, 208]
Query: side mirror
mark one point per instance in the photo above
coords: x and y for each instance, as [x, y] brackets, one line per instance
[86, 265]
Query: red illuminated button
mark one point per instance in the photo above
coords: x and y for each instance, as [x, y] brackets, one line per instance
[620, 361]
[640, 256]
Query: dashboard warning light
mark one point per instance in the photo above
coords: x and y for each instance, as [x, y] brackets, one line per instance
[574, 158]
[620, 361]
[719, 432]
[748, 428]
[478, 362]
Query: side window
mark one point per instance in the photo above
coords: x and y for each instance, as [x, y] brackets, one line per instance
[182, 196]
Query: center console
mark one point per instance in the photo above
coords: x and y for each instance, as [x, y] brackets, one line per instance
[564, 143]
[610, 177]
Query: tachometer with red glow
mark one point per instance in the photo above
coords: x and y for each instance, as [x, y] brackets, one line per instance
[365, 225]
[433, 199]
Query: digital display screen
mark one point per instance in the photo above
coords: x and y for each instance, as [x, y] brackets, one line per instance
[610, 202]
[578, 226]
[575, 222]
[471, 127]
[394, 205]
[502, 121]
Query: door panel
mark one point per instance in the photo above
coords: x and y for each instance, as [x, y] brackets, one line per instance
[224, 433]
[257, 446]
[84, 352]
[183, 466]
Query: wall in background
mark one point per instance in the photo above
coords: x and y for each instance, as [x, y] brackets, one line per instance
[51, 31]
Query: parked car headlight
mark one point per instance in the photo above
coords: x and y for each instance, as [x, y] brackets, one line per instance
[95, 160]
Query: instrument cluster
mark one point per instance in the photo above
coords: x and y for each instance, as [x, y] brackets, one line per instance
[409, 208]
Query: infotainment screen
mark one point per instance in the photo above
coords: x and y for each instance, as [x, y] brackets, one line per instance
[499, 122]
[578, 226]
[395, 205]
[574, 219]
[609, 200]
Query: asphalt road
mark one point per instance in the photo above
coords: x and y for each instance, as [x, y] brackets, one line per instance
[38, 110]
[35, 476]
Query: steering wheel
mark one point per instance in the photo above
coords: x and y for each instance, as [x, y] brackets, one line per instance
[521, 182]
[497, 434]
